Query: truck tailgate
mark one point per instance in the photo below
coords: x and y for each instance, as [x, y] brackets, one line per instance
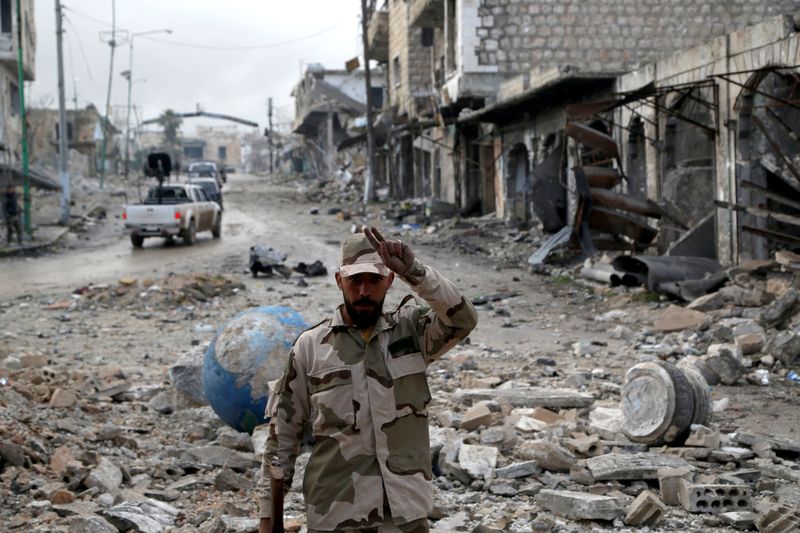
[151, 215]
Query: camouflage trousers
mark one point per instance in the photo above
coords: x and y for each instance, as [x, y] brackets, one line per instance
[416, 526]
[13, 224]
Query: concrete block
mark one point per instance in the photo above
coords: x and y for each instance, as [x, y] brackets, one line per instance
[580, 505]
[670, 481]
[478, 461]
[646, 510]
[476, 416]
[779, 520]
[549, 454]
[677, 318]
[703, 437]
[696, 498]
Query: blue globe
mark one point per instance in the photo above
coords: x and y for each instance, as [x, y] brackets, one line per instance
[248, 352]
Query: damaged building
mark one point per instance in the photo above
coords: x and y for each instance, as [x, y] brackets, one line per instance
[641, 127]
[330, 115]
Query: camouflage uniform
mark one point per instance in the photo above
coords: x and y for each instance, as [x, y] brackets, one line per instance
[367, 406]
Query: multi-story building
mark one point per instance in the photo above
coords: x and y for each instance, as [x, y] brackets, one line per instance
[10, 124]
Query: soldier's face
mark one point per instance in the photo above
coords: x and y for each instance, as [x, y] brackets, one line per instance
[363, 296]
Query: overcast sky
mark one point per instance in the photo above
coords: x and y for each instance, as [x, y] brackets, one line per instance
[195, 64]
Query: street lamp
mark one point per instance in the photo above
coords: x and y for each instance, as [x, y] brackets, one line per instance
[128, 74]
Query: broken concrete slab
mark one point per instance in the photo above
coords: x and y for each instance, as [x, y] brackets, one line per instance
[478, 461]
[638, 466]
[106, 476]
[743, 297]
[186, 375]
[779, 312]
[677, 318]
[703, 437]
[742, 520]
[63, 399]
[580, 505]
[645, 510]
[518, 470]
[779, 519]
[528, 397]
[90, 524]
[714, 498]
[221, 456]
[476, 416]
[724, 360]
[549, 454]
[707, 302]
[784, 346]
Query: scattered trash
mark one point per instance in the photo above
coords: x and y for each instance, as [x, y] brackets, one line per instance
[263, 260]
[310, 270]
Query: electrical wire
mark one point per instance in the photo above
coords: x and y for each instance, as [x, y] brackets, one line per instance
[216, 48]
[80, 45]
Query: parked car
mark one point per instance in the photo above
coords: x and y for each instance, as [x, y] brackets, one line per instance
[230, 169]
[173, 210]
[210, 187]
[204, 169]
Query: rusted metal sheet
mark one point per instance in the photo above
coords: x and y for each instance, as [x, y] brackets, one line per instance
[592, 138]
[619, 224]
[623, 202]
[587, 110]
[602, 177]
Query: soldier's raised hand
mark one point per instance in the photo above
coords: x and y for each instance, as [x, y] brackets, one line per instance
[395, 254]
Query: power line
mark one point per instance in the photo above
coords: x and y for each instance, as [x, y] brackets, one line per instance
[80, 45]
[219, 48]
[242, 48]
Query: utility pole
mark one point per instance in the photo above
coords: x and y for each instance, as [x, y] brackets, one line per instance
[369, 181]
[26, 186]
[63, 130]
[269, 139]
[113, 44]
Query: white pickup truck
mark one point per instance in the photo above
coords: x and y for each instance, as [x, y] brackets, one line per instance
[170, 211]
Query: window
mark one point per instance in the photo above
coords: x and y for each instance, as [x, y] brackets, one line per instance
[5, 16]
[70, 137]
[396, 71]
[13, 91]
[222, 153]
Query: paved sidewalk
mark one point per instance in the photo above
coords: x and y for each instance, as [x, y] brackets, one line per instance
[43, 237]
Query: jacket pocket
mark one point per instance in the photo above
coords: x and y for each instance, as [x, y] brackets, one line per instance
[410, 383]
[331, 395]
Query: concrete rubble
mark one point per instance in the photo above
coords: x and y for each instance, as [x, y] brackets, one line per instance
[517, 446]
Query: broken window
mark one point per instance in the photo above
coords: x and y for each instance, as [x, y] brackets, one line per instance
[222, 153]
[5, 16]
[768, 169]
[13, 91]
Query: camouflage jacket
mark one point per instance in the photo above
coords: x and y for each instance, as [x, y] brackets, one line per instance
[366, 403]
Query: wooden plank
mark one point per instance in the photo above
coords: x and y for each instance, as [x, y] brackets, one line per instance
[529, 397]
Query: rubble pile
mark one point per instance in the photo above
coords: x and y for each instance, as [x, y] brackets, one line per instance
[169, 292]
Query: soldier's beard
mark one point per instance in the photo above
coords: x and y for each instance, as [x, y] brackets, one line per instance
[364, 319]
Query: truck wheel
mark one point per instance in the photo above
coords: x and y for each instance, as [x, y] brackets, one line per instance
[137, 241]
[190, 235]
[216, 231]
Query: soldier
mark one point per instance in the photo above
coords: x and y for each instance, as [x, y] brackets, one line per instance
[11, 213]
[359, 380]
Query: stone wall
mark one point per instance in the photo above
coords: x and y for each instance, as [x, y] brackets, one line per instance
[606, 35]
[413, 81]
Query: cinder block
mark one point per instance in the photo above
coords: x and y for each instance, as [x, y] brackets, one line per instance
[646, 510]
[670, 481]
[779, 520]
[714, 499]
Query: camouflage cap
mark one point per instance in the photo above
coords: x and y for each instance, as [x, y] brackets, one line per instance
[358, 256]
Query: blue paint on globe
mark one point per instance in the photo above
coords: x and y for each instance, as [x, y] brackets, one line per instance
[250, 350]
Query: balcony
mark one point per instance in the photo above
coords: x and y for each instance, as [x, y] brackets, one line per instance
[378, 36]
[427, 13]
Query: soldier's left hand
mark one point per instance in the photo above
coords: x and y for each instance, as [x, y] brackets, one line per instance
[395, 254]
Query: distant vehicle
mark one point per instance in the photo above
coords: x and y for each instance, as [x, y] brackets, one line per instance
[173, 210]
[210, 187]
[230, 169]
[205, 169]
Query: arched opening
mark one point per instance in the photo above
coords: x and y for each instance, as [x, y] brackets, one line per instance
[517, 184]
[688, 160]
[768, 169]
